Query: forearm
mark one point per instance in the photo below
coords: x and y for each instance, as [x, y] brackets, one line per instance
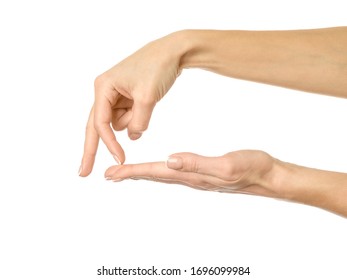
[308, 60]
[323, 189]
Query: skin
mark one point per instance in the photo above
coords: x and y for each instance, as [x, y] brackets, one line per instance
[125, 96]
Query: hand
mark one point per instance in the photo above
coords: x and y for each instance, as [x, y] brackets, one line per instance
[247, 171]
[236, 172]
[125, 97]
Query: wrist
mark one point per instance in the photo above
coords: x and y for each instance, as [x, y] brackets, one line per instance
[271, 177]
[175, 46]
[183, 47]
[195, 48]
[281, 179]
[214, 50]
[291, 182]
[300, 184]
[319, 188]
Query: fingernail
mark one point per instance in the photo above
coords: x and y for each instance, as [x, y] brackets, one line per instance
[174, 163]
[135, 135]
[80, 171]
[108, 178]
[117, 180]
[117, 159]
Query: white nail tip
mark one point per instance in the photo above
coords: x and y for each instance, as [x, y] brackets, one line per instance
[80, 171]
[172, 160]
[117, 159]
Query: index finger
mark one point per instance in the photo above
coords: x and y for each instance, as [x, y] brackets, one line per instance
[102, 120]
[153, 171]
[158, 171]
[90, 146]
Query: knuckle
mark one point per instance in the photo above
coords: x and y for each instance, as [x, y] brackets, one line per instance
[99, 127]
[191, 165]
[90, 154]
[138, 128]
[98, 81]
[89, 128]
[148, 101]
[146, 98]
[227, 170]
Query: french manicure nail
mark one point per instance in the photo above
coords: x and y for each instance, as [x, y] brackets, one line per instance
[117, 159]
[174, 162]
[80, 171]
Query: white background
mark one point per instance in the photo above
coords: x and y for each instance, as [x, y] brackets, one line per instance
[55, 225]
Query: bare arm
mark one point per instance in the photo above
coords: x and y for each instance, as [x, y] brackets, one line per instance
[320, 188]
[308, 60]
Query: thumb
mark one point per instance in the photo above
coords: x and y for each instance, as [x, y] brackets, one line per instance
[189, 162]
[141, 114]
[220, 167]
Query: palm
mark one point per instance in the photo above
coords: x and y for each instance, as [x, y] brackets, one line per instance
[236, 172]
